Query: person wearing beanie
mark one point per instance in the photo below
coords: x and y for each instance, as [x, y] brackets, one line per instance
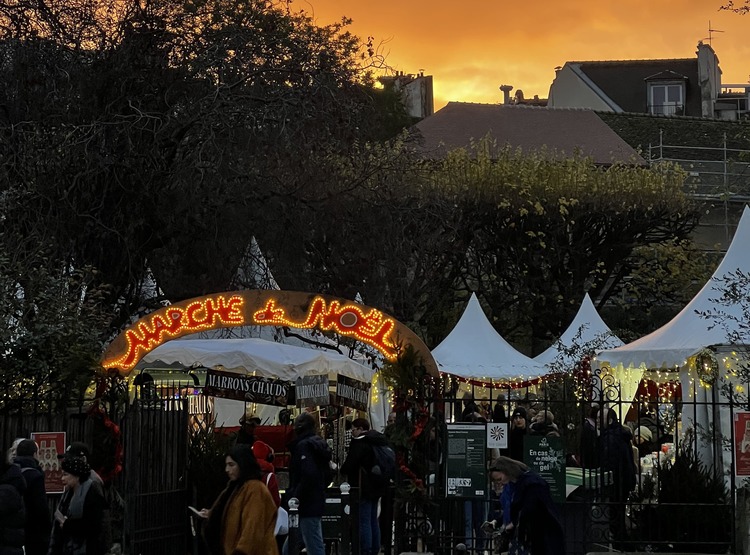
[543, 424]
[12, 513]
[38, 519]
[81, 450]
[644, 440]
[518, 430]
[78, 520]
[246, 433]
[243, 517]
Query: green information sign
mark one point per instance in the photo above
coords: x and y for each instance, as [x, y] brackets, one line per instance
[466, 460]
[546, 456]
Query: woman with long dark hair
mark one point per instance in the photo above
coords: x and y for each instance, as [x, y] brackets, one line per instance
[243, 518]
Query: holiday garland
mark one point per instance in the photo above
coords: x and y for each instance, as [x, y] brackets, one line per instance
[108, 448]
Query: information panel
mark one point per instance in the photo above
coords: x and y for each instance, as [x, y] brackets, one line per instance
[466, 460]
[333, 515]
[546, 456]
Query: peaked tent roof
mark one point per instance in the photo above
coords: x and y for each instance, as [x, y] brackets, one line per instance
[586, 328]
[688, 332]
[474, 350]
[562, 131]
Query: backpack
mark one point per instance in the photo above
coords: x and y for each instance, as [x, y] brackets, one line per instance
[384, 461]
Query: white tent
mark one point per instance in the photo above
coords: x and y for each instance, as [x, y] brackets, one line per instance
[265, 358]
[255, 356]
[474, 350]
[586, 332]
[688, 333]
[675, 345]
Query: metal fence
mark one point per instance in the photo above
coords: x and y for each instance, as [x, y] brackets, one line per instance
[148, 441]
[154, 477]
[718, 177]
[686, 497]
[421, 514]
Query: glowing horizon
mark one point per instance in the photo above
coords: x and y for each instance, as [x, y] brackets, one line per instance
[470, 53]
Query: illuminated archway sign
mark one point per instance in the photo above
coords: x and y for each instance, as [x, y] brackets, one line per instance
[263, 308]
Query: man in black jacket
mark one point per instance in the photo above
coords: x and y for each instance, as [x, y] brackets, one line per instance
[309, 468]
[12, 514]
[358, 469]
[38, 519]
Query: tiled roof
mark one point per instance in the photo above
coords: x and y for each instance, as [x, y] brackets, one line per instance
[624, 81]
[562, 131]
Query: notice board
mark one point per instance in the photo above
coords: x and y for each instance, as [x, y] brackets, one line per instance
[546, 456]
[466, 460]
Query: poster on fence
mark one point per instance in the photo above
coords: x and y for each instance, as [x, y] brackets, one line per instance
[465, 458]
[742, 443]
[51, 444]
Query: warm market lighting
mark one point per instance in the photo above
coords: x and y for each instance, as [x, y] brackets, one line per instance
[200, 315]
[261, 307]
[348, 320]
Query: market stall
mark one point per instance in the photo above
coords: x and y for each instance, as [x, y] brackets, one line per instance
[474, 350]
[703, 343]
[260, 372]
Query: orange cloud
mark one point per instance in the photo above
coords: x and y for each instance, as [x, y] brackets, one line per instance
[471, 50]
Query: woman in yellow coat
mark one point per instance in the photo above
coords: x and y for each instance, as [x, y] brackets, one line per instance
[243, 518]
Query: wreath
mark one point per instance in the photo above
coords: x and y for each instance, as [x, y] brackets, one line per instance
[707, 366]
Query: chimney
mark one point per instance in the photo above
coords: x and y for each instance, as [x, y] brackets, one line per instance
[506, 93]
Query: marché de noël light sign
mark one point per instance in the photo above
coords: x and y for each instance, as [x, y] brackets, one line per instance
[268, 308]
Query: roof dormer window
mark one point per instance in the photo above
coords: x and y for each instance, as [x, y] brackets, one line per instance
[666, 98]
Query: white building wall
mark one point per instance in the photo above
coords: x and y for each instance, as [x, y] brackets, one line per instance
[568, 90]
[709, 78]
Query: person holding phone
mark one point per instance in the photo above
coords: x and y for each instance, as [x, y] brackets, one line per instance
[243, 518]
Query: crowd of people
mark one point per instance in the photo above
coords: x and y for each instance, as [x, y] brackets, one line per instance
[250, 517]
[79, 525]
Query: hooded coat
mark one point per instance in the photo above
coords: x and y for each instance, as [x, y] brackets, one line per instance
[534, 516]
[12, 512]
[309, 473]
[264, 455]
[360, 460]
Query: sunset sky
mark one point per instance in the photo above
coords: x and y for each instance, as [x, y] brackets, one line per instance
[472, 48]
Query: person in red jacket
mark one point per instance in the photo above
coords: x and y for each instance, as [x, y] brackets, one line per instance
[264, 455]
